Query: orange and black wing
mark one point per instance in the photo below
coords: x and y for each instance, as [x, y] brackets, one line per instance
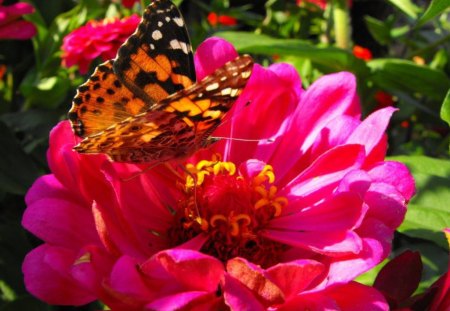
[154, 62]
[181, 125]
[157, 59]
[102, 101]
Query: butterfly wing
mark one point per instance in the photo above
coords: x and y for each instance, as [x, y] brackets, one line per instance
[102, 101]
[154, 62]
[182, 123]
[157, 59]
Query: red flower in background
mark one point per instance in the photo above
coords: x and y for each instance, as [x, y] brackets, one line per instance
[320, 3]
[225, 20]
[383, 99]
[97, 39]
[362, 53]
[129, 3]
[11, 24]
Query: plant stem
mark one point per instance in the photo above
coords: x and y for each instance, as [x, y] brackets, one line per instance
[341, 23]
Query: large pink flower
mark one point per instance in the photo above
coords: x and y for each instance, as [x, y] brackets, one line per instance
[285, 220]
[96, 39]
[11, 24]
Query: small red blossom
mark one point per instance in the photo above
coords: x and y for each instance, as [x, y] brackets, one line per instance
[405, 124]
[129, 3]
[96, 39]
[225, 20]
[320, 3]
[11, 24]
[383, 99]
[362, 52]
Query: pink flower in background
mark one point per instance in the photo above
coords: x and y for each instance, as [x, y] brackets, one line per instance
[286, 220]
[11, 24]
[97, 39]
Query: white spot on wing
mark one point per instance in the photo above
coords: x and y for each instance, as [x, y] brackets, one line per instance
[167, 19]
[160, 24]
[226, 91]
[156, 35]
[245, 74]
[178, 45]
[212, 87]
[179, 21]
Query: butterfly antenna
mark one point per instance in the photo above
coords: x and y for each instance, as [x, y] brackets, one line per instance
[268, 140]
[141, 172]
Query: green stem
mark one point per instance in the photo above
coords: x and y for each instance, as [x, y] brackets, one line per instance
[341, 23]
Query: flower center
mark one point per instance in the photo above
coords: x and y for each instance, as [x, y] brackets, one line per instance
[231, 209]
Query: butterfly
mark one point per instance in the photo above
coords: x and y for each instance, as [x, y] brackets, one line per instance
[144, 105]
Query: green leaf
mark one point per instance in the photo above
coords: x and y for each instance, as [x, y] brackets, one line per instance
[406, 76]
[378, 29]
[445, 109]
[428, 213]
[17, 169]
[329, 58]
[435, 8]
[407, 7]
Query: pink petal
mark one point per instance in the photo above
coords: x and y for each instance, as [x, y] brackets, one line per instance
[335, 133]
[341, 212]
[295, 277]
[239, 297]
[320, 178]
[59, 221]
[396, 174]
[371, 134]
[254, 278]
[18, 9]
[355, 297]
[186, 301]
[249, 118]
[53, 264]
[194, 270]
[93, 265]
[329, 97]
[386, 204]
[129, 283]
[212, 54]
[376, 239]
[20, 30]
[310, 302]
[329, 243]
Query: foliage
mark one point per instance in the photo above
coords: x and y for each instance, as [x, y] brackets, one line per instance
[411, 47]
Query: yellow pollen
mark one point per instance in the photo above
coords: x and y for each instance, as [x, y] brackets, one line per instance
[268, 197]
[205, 167]
[233, 223]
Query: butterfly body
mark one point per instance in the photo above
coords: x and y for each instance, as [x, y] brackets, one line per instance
[144, 106]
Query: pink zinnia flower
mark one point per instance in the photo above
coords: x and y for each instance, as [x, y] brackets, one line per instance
[96, 39]
[283, 223]
[11, 24]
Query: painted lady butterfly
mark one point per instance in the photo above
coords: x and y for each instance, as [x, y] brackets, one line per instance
[145, 106]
